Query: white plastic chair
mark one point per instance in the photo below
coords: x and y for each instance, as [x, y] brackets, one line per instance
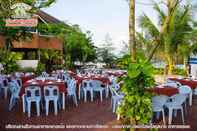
[195, 91]
[158, 105]
[5, 87]
[87, 86]
[113, 82]
[51, 93]
[19, 82]
[44, 74]
[14, 89]
[97, 87]
[176, 104]
[186, 90]
[33, 94]
[66, 78]
[115, 98]
[72, 90]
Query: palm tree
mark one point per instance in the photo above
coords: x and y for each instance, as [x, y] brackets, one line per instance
[132, 42]
[175, 31]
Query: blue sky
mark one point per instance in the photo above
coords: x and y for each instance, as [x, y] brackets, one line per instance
[101, 17]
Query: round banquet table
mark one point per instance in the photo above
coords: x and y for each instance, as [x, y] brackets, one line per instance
[61, 86]
[168, 91]
[79, 79]
[117, 74]
[26, 78]
[190, 83]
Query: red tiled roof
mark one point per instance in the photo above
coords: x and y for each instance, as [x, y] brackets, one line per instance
[47, 18]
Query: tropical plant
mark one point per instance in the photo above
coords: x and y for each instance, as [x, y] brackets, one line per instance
[40, 68]
[77, 45]
[50, 57]
[136, 106]
[9, 61]
[123, 62]
[176, 34]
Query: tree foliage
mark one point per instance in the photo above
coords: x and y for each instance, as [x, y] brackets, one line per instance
[9, 61]
[176, 39]
[77, 46]
[105, 52]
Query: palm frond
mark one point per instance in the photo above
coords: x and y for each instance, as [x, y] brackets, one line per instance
[147, 24]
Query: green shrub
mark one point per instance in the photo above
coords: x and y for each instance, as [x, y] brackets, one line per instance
[40, 68]
[58, 67]
[159, 71]
[9, 61]
[27, 69]
[136, 107]
[177, 71]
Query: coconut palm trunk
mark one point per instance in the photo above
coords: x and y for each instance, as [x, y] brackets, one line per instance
[186, 66]
[171, 5]
[170, 63]
[132, 42]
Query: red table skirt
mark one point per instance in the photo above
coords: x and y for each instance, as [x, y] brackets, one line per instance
[62, 86]
[79, 80]
[26, 78]
[190, 83]
[168, 91]
[117, 74]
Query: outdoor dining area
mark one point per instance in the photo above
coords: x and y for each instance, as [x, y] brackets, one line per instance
[55, 87]
[46, 94]
[49, 92]
[173, 95]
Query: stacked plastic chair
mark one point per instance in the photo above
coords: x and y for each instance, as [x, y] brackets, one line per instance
[44, 74]
[97, 87]
[5, 87]
[51, 93]
[32, 94]
[87, 86]
[15, 90]
[19, 82]
[72, 90]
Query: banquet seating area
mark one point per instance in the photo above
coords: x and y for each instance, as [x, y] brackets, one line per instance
[50, 92]
[175, 94]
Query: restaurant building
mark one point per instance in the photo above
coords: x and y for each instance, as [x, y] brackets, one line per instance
[38, 41]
